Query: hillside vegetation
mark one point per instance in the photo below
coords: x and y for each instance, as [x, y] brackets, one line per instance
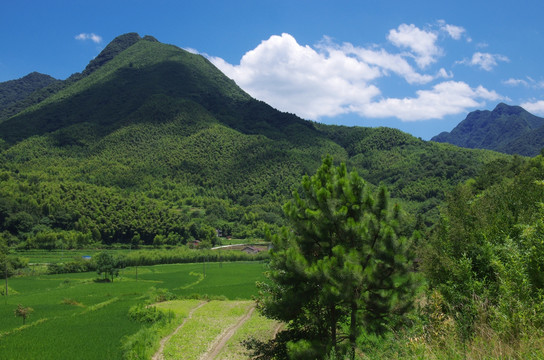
[14, 93]
[151, 144]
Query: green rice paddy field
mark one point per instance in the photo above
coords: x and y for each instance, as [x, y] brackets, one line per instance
[76, 318]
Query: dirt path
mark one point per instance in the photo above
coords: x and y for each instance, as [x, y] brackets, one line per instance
[222, 339]
[277, 330]
[159, 354]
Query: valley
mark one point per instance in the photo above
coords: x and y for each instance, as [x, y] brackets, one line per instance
[120, 184]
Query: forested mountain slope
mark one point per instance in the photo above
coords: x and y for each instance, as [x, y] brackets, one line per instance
[507, 129]
[15, 91]
[153, 144]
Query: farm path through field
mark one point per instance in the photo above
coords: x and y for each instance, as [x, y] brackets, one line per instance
[222, 339]
[277, 330]
[159, 354]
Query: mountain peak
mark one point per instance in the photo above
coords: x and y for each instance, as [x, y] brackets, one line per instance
[130, 73]
[150, 38]
[501, 130]
[115, 47]
[504, 109]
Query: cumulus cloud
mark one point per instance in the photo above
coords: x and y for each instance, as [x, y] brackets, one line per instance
[484, 61]
[92, 36]
[422, 43]
[331, 79]
[302, 80]
[456, 32]
[534, 106]
[446, 98]
[388, 62]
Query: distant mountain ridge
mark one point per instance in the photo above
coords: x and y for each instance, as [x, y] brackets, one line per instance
[507, 129]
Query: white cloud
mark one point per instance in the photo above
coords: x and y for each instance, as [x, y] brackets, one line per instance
[191, 50]
[535, 107]
[515, 82]
[301, 80]
[456, 32]
[530, 83]
[92, 36]
[388, 62]
[484, 61]
[446, 98]
[443, 73]
[331, 79]
[422, 43]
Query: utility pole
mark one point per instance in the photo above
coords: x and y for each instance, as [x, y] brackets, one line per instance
[6, 269]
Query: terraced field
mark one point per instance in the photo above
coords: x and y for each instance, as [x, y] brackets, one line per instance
[77, 318]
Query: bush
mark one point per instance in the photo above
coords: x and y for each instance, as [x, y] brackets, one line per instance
[76, 266]
[160, 295]
[146, 314]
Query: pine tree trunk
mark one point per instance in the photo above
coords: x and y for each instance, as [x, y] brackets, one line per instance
[333, 326]
[353, 328]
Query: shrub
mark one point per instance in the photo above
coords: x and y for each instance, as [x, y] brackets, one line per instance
[146, 314]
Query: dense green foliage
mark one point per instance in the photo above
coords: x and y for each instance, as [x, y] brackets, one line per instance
[508, 129]
[14, 91]
[342, 269]
[486, 257]
[153, 145]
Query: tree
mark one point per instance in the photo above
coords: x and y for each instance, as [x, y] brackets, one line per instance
[485, 256]
[106, 264]
[23, 312]
[342, 262]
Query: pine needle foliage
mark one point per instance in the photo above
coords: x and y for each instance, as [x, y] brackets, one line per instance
[340, 270]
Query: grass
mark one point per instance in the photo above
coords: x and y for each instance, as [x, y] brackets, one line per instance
[75, 315]
[145, 343]
[206, 324]
[179, 307]
[257, 327]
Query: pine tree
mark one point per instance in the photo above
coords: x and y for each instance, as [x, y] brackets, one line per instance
[342, 261]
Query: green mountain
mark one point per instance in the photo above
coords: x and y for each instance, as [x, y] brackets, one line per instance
[39, 87]
[153, 144]
[14, 91]
[507, 129]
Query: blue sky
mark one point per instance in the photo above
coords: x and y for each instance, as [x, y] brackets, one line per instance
[419, 66]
